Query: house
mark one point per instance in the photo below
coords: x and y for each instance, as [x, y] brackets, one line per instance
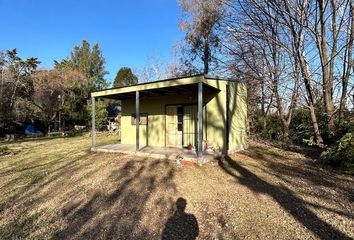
[199, 112]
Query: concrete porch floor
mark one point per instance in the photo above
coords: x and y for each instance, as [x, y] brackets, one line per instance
[172, 153]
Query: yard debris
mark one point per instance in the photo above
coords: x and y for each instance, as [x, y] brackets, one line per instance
[180, 160]
[187, 163]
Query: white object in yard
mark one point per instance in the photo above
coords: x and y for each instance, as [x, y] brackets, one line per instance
[112, 126]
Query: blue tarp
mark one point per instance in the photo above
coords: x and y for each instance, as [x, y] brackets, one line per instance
[30, 130]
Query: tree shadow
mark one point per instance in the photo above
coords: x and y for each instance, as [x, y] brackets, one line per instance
[286, 167]
[97, 196]
[284, 197]
[181, 225]
[120, 214]
[308, 151]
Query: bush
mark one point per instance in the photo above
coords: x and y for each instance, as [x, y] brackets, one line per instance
[301, 128]
[344, 128]
[273, 130]
[101, 112]
[341, 154]
[4, 150]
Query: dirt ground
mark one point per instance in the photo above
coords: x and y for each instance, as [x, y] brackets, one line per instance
[56, 189]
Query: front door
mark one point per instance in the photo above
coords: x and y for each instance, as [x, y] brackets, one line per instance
[174, 125]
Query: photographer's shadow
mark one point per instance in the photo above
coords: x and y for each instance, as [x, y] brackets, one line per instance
[181, 225]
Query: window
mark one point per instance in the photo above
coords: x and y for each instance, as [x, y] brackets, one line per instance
[180, 118]
[179, 110]
[143, 119]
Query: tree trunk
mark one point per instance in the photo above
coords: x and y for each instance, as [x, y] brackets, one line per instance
[264, 120]
[347, 67]
[285, 119]
[307, 81]
[327, 78]
[285, 132]
[296, 29]
[206, 57]
[265, 110]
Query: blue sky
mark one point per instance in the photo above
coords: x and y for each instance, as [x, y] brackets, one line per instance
[129, 32]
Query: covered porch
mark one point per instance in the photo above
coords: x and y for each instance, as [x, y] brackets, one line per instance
[193, 89]
[171, 153]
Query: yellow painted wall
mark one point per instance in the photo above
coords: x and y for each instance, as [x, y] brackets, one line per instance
[238, 115]
[216, 116]
[154, 134]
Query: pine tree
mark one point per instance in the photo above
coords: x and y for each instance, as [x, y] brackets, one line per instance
[89, 61]
[125, 77]
[97, 69]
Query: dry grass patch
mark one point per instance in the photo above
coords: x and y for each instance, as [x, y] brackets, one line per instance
[58, 189]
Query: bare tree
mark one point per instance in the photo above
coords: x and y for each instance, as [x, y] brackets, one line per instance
[199, 21]
[153, 70]
[294, 17]
[328, 21]
[260, 29]
[279, 47]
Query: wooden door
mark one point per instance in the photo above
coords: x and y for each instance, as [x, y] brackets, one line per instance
[173, 132]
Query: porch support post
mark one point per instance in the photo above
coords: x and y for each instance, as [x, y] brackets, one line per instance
[93, 122]
[137, 119]
[200, 119]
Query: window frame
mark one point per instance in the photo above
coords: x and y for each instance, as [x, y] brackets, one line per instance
[141, 115]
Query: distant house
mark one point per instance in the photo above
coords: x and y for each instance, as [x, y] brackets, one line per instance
[196, 112]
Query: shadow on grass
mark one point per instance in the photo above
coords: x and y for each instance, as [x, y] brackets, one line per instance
[284, 197]
[119, 214]
[181, 225]
[116, 211]
[308, 151]
[285, 167]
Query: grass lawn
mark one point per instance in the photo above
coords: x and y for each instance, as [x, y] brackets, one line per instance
[57, 189]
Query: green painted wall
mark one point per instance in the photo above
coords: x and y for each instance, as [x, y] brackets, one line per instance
[216, 116]
[238, 115]
[154, 133]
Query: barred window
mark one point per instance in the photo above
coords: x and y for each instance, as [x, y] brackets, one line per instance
[143, 119]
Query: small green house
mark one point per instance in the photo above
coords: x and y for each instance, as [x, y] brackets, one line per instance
[196, 112]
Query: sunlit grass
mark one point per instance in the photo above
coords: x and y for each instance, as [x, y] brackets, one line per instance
[57, 188]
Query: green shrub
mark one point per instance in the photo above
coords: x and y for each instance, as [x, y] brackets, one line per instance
[273, 128]
[4, 150]
[101, 112]
[341, 154]
[344, 128]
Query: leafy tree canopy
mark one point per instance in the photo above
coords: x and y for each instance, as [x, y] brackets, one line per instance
[125, 77]
[16, 86]
[89, 61]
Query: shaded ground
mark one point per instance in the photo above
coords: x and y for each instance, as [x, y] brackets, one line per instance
[57, 189]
